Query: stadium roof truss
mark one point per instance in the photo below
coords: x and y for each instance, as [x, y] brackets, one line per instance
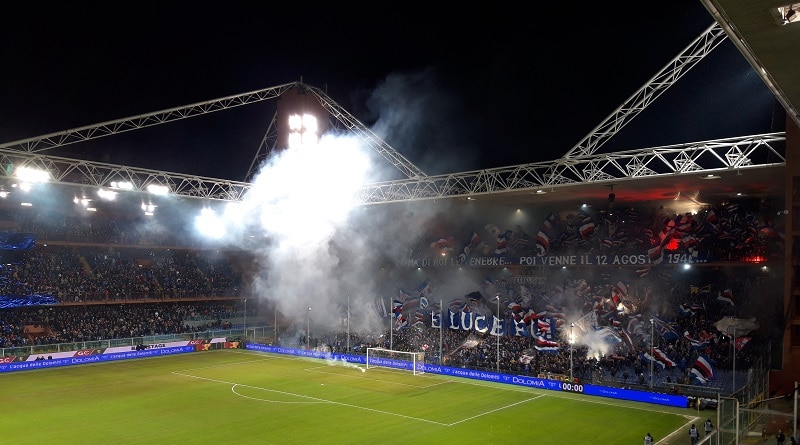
[580, 165]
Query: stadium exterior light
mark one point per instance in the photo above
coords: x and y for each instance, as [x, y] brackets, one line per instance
[308, 328]
[571, 341]
[497, 298]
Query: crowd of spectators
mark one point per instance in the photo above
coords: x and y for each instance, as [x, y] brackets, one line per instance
[93, 265]
[691, 331]
[124, 270]
[86, 323]
[102, 273]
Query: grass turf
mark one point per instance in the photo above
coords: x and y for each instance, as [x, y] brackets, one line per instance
[238, 396]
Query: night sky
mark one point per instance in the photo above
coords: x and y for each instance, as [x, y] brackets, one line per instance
[452, 91]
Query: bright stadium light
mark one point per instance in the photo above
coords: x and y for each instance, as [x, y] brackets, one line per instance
[82, 201]
[108, 195]
[32, 175]
[148, 209]
[303, 130]
[209, 224]
[122, 185]
[158, 189]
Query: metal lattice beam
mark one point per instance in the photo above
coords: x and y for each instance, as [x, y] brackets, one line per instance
[707, 156]
[635, 104]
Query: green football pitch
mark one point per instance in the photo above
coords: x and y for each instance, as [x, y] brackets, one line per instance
[239, 396]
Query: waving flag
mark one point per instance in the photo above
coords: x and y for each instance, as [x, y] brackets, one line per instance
[608, 335]
[724, 297]
[403, 295]
[545, 345]
[469, 247]
[527, 356]
[529, 316]
[662, 357]
[397, 307]
[411, 303]
[741, 342]
[698, 377]
[542, 243]
[543, 237]
[401, 322]
[587, 322]
[649, 358]
[704, 366]
[587, 227]
[685, 310]
[424, 289]
[666, 329]
[443, 245]
[696, 344]
[656, 254]
[380, 307]
[502, 242]
[543, 326]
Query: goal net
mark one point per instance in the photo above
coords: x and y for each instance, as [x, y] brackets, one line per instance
[403, 360]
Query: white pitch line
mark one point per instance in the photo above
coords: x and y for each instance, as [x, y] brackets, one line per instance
[319, 369]
[315, 399]
[494, 410]
[513, 388]
[233, 390]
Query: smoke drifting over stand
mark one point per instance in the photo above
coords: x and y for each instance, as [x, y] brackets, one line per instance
[311, 246]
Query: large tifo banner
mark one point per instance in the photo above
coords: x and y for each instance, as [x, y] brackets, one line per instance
[532, 382]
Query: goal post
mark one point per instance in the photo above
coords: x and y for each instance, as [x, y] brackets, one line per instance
[402, 360]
